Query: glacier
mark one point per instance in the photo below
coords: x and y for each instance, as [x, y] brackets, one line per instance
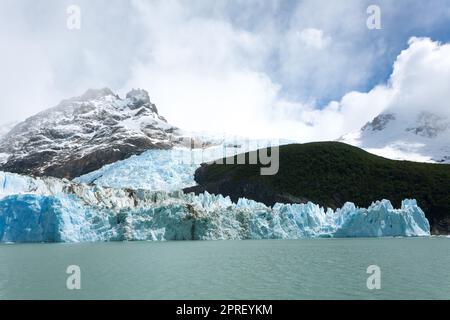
[172, 169]
[55, 210]
[158, 170]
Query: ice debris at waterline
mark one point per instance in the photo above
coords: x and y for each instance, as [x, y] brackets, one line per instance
[52, 210]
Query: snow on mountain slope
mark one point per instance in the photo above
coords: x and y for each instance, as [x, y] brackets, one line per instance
[5, 128]
[84, 133]
[420, 136]
[53, 210]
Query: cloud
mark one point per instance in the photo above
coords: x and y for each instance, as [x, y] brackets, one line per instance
[203, 72]
[196, 75]
[421, 78]
[250, 67]
[419, 82]
[206, 72]
[313, 38]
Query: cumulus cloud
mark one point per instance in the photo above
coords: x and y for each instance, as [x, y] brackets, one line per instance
[419, 82]
[237, 99]
[203, 72]
[241, 81]
[421, 78]
[253, 67]
[313, 38]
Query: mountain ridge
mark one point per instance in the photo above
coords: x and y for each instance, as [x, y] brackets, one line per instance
[83, 133]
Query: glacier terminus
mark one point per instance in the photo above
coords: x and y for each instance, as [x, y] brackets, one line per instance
[55, 210]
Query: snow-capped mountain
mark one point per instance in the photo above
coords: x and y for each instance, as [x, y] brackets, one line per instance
[5, 128]
[421, 136]
[84, 133]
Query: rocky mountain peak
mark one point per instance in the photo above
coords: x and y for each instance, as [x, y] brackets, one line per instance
[138, 95]
[429, 125]
[92, 94]
[84, 133]
[379, 122]
[139, 98]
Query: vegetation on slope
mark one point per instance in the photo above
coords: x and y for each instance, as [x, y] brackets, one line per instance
[332, 173]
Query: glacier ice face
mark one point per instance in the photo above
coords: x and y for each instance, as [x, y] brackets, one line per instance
[166, 170]
[39, 218]
[153, 170]
[52, 210]
[382, 220]
[11, 183]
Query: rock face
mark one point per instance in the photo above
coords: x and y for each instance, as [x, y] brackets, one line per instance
[379, 122]
[84, 133]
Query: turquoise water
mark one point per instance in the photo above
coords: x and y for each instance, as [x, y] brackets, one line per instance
[417, 268]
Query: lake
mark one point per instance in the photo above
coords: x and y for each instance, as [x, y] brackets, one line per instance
[411, 268]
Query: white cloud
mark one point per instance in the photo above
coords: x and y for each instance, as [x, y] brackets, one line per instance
[207, 78]
[419, 82]
[248, 67]
[421, 78]
[314, 38]
[203, 73]
[206, 73]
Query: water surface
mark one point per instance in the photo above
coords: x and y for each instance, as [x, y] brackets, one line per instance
[417, 268]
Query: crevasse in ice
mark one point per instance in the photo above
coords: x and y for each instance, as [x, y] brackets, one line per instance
[52, 210]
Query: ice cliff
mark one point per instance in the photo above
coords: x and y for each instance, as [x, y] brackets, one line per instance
[53, 210]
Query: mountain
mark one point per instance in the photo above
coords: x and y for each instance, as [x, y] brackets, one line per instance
[330, 174]
[84, 133]
[5, 128]
[420, 136]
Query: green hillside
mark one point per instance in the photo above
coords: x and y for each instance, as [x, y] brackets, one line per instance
[332, 173]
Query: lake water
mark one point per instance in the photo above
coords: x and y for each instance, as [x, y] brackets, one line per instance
[417, 268]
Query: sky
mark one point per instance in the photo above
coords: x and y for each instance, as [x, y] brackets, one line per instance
[304, 70]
